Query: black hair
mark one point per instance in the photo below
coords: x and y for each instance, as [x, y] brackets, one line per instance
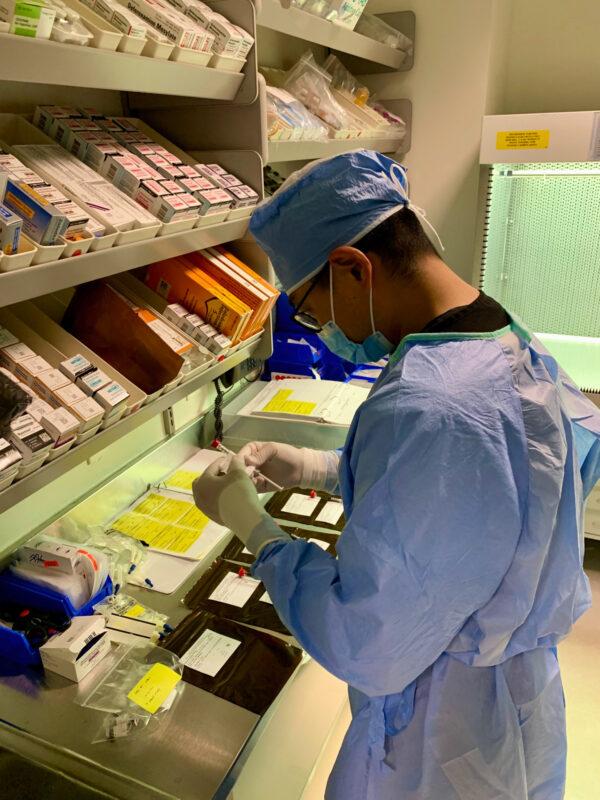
[399, 241]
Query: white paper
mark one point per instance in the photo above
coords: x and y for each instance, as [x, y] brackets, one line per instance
[210, 652]
[235, 590]
[301, 504]
[246, 552]
[335, 403]
[320, 543]
[331, 512]
[166, 573]
[265, 598]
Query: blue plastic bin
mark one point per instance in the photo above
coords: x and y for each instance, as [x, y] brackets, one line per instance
[20, 592]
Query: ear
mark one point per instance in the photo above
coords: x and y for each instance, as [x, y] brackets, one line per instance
[352, 263]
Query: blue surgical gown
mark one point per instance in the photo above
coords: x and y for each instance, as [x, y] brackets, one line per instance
[458, 572]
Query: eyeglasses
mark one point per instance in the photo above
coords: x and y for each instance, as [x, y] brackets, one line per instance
[302, 317]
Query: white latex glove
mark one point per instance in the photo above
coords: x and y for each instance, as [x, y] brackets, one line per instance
[225, 493]
[290, 466]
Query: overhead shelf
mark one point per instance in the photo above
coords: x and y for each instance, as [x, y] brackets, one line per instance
[298, 23]
[305, 151]
[29, 60]
[24, 284]
[54, 469]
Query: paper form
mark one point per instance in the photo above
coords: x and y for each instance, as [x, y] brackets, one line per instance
[182, 479]
[331, 512]
[210, 653]
[312, 401]
[235, 590]
[170, 525]
[265, 598]
[166, 573]
[282, 402]
[301, 504]
[320, 543]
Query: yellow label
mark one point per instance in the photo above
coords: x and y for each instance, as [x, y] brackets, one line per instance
[523, 140]
[194, 518]
[134, 611]
[182, 479]
[170, 510]
[153, 689]
[280, 403]
[150, 504]
[130, 524]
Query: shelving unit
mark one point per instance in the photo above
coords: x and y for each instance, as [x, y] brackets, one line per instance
[304, 151]
[300, 24]
[24, 284]
[39, 61]
[78, 455]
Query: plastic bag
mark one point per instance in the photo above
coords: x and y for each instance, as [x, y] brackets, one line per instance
[68, 26]
[136, 691]
[124, 604]
[295, 117]
[124, 553]
[345, 82]
[310, 84]
[375, 28]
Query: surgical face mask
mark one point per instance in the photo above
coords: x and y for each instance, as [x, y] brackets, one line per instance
[374, 346]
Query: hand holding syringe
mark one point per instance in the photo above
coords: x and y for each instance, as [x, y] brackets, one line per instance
[222, 449]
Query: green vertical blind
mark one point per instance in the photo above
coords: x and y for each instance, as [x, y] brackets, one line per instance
[541, 257]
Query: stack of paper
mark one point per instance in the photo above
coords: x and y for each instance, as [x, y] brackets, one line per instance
[311, 401]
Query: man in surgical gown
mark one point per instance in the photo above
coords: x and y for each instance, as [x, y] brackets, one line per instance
[463, 479]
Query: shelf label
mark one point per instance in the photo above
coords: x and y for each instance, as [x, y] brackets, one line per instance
[523, 140]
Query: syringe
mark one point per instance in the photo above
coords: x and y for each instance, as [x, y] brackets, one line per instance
[222, 449]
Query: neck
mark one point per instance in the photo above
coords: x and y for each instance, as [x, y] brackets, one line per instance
[410, 305]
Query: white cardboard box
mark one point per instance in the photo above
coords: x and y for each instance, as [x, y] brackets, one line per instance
[76, 651]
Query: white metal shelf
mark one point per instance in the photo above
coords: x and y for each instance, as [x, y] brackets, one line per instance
[305, 151]
[298, 23]
[28, 60]
[24, 284]
[54, 469]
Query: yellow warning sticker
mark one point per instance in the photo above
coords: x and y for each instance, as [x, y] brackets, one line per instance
[523, 140]
[153, 689]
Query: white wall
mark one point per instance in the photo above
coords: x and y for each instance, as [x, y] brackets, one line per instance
[456, 79]
[554, 62]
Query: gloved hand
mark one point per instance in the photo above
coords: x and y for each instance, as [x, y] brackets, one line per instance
[290, 466]
[225, 493]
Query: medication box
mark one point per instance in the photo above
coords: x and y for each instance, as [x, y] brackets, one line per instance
[28, 17]
[10, 230]
[76, 651]
[42, 222]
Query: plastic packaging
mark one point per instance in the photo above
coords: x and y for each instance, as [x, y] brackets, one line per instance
[68, 26]
[375, 28]
[310, 84]
[344, 81]
[289, 119]
[130, 666]
[126, 606]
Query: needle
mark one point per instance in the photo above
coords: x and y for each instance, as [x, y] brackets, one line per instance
[221, 447]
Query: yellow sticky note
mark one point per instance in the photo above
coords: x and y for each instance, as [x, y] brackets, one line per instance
[182, 479]
[134, 611]
[523, 140]
[153, 689]
[150, 504]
